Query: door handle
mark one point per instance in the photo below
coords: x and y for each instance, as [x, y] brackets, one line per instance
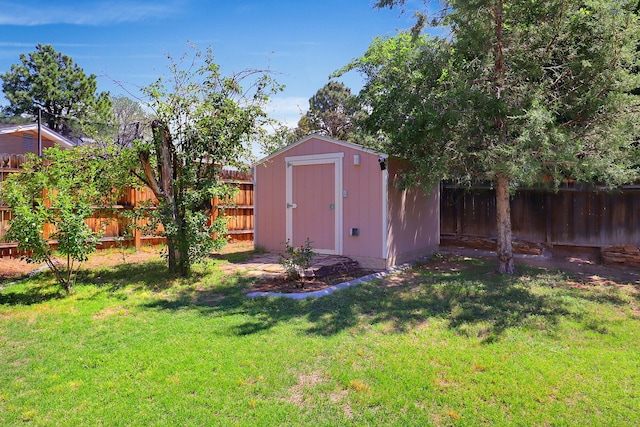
[291, 205]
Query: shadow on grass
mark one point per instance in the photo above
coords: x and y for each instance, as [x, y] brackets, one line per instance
[150, 275]
[475, 307]
[234, 256]
[463, 294]
[470, 299]
[33, 293]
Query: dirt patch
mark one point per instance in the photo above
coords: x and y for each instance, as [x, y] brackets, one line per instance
[584, 272]
[113, 258]
[281, 284]
[14, 268]
[305, 382]
[583, 269]
[588, 272]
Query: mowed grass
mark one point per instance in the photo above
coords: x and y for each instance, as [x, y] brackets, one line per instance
[446, 343]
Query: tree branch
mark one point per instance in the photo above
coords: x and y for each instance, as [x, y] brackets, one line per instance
[149, 179]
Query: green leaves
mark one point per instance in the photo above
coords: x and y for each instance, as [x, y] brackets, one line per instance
[409, 93]
[51, 201]
[530, 89]
[333, 112]
[521, 92]
[205, 121]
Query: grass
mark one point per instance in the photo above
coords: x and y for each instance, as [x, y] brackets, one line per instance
[447, 343]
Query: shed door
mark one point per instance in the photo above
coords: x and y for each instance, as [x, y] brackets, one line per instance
[314, 202]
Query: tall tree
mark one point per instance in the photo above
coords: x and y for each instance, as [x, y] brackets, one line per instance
[333, 112]
[48, 80]
[204, 121]
[131, 121]
[523, 91]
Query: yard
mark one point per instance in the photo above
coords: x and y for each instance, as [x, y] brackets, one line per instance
[445, 343]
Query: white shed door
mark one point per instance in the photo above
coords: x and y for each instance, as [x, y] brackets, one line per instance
[314, 202]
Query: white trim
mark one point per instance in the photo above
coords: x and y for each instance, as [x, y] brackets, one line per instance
[385, 213]
[325, 139]
[316, 159]
[288, 196]
[254, 179]
[313, 159]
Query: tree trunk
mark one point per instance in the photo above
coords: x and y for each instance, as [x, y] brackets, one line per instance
[177, 257]
[503, 219]
[503, 208]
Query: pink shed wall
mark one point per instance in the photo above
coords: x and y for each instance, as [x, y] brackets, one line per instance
[414, 220]
[412, 226]
[362, 208]
[270, 204]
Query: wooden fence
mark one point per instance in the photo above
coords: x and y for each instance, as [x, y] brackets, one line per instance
[570, 217]
[239, 212]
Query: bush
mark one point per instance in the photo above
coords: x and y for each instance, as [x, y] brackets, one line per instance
[51, 200]
[297, 259]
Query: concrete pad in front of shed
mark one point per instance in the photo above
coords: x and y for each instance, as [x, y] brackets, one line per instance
[268, 265]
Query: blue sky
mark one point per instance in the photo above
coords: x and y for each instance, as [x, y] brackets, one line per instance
[126, 43]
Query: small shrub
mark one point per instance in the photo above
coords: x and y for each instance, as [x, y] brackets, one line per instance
[52, 199]
[297, 259]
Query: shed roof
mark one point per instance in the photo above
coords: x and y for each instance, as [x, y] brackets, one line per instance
[326, 139]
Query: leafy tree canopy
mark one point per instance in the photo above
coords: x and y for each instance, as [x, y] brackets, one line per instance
[205, 121]
[522, 91]
[333, 111]
[53, 198]
[48, 80]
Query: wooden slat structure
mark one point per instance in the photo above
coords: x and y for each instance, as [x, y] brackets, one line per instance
[239, 212]
[572, 216]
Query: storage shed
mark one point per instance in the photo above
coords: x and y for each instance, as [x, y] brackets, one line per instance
[343, 198]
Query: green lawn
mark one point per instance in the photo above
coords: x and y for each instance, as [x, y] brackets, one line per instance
[456, 345]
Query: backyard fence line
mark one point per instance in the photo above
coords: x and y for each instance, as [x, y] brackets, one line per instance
[114, 225]
[571, 217]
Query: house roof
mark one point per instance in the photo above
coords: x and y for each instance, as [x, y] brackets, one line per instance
[326, 139]
[33, 127]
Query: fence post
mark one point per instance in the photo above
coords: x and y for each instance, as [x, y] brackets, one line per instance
[137, 233]
[548, 232]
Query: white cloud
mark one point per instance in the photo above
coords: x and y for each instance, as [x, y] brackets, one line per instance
[83, 13]
[15, 44]
[288, 110]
